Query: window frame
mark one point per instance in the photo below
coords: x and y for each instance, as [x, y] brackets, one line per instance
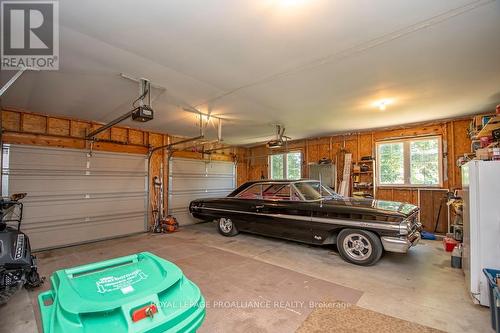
[407, 161]
[285, 164]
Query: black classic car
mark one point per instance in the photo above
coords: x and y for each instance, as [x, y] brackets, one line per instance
[307, 211]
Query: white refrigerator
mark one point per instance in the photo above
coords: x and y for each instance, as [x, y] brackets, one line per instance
[481, 185]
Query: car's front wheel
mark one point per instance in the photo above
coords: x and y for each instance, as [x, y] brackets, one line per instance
[227, 227]
[359, 247]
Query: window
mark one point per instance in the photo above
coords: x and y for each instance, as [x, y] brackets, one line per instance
[410, 162]
[269, 191]
[285, 166]
[253, 192]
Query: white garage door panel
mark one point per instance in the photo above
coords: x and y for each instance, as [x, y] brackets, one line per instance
[74, 233]
[183, 184]
[75, 197]
[201, 168]
[74, 185]
[182, 200]
[81, 209]
[191, 179]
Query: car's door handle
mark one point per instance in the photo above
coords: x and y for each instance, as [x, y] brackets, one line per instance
[259, 206]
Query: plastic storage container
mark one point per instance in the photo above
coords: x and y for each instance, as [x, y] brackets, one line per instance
[494, 297]
[496, 305]
[136, 293]
[449, 244]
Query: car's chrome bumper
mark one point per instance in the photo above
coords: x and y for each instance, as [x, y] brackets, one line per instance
[401, 244]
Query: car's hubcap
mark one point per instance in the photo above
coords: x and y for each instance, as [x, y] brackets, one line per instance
[357, 246]
[226, 225]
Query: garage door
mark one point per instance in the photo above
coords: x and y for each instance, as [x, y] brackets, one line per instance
[74, 196]
[191, 179]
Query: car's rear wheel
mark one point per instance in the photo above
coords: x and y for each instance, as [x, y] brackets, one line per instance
[227, 227]
[359, 247]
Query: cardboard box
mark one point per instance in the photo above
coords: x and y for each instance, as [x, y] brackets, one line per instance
[483, 154]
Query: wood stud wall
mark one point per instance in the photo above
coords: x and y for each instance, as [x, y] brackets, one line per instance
[253, 162]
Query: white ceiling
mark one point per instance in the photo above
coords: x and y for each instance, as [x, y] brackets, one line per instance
[316, 66]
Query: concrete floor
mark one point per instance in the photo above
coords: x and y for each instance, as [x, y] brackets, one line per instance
[285, 279]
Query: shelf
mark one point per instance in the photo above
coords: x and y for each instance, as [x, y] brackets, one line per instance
[363, 187]
[361, 172]
[491, 125]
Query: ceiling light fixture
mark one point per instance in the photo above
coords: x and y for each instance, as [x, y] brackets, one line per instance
[382, 104]
[286, 3]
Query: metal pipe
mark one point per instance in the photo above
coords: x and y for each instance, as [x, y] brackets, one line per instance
[215, 149]
[15, 77]
[150, 154]
[219, 130]
[170, 145]
[110, 124]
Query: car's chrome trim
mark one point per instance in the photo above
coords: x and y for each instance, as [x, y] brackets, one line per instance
[381, 225]
[400, 244]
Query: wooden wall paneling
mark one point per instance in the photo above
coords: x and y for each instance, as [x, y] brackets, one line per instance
[439, 200]
[451, 154]
[313, 151]
[11, 121]
[427, 210]
[414, 197]
[365, 145]
[433, 129]
[384, 193]
[135, 137]
[33, 123]
[462, 145]
[57, 126]
[402, 195]
[119, 148]
[155, 167]
[104, 135]
[430, 201]
[166, 169]
[119, 134]
[196, 155]
[352, 147]
[79, 129]
[42, 140]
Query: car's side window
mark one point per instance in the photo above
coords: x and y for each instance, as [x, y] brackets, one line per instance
[253, 192]
[270, 192]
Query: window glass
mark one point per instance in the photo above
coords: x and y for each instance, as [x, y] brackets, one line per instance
[285, 166]
[277, 166]
[277, 192]
[294, 165]
[253, 192]
[424, 162]
[391, 159]
[410, 162]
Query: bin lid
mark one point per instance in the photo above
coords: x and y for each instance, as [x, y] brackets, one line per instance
[109, 284]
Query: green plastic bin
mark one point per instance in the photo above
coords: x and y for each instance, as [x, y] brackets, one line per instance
[136, 293]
